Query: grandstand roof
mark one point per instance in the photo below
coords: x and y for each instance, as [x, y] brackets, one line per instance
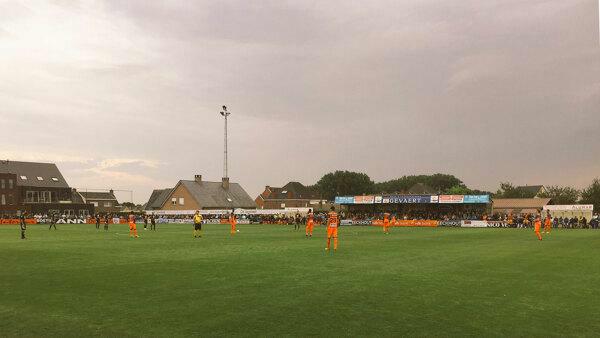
[519, 204]
[34, 174]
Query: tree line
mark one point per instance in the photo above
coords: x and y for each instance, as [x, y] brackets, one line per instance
[349, 183]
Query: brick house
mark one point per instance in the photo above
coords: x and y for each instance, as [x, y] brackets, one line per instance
[291, 195]
[38, 188]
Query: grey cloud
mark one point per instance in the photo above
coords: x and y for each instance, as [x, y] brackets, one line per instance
[486, 90]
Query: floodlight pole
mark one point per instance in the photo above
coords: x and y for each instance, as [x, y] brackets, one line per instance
[225, 114]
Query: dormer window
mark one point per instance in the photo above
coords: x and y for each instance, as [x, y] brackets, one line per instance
[54, 179]
[40, 178]
[23, 177]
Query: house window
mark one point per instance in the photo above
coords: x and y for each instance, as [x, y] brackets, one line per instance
[45, 197]
[107, 204]
[32, 196]
[3, 200]
[95, 204]
[10, 184]
[2, 186]
[40, 178]
[54, 179]
[70, 212]
[23, 177]
[11, 199]
[174, 201]
[181, 201]
[84, 212]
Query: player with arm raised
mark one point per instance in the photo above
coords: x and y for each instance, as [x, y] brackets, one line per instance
[310, 223]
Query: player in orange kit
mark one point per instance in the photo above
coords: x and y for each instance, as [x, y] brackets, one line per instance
[232, 222]
[386, 223]
[538, 225]
[310, 223]
[332, 229]
[547, 224]
[132, 226]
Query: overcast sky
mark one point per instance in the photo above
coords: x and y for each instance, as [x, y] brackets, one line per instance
[126, 94]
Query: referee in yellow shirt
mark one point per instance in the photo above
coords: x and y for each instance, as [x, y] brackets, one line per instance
[197, 224]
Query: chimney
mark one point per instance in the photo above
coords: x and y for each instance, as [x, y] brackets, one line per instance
[112, 192]
[198, 178]
[267, 188]
[226, 183]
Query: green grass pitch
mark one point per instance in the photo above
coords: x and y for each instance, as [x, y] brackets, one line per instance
[270, 281]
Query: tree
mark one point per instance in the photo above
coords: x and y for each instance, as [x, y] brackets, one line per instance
[459, 190]
[561, 195]
[341, 183]
[440, 182]
[591, 195]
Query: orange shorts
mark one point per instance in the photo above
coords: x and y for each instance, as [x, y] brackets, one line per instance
[331, 232]
[132, 226]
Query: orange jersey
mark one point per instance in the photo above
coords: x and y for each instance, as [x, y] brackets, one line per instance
[547, 222]
[131, 219]
[333, 220]
[232, 220]
[538, 225]
[386, 220]
[311, 217]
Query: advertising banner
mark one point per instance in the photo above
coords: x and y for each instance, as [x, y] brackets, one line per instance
[449, 223]
[474, 224]
[576, 207]
[364, 199]
[344, 200]
[407, 199]
[408, 223]
[454, 199]
[17, 222]
[354, 222]
[483, 199]
[378, 199]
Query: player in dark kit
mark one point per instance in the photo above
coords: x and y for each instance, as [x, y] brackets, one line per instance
[145, 222]
[97, 221]
[52, 222]
[106, 217]
[22, 224]
[152, 222]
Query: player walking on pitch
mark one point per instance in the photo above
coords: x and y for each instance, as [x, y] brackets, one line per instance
[386, 223]
[332, 229]
[232, 222]
[106, 217]
[197, 224]
[23, 224]
[132, 226]
[538, 225]
[152, 222]
[547, 224]
[53, 222]
[310, 223]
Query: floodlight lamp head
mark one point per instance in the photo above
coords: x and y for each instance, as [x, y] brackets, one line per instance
[223, 113]
[224, 108]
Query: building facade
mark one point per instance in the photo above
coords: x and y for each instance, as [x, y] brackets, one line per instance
[103, 202]
[201, 195]
[291, 195]
[38, 188]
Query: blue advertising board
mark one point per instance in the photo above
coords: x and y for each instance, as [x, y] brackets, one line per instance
[408, 199]
[484, 199]
[344, 200]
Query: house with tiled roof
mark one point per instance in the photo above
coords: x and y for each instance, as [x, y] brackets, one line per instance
[291, 195]
[198, 194]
